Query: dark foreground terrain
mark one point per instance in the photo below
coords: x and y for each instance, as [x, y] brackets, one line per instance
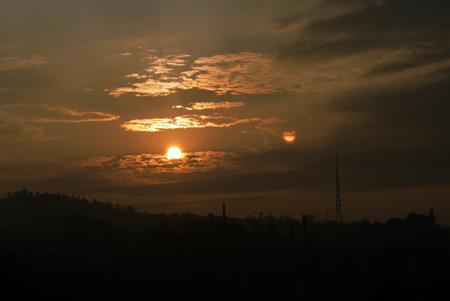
[55, 247]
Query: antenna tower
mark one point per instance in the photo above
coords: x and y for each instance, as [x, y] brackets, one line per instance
[338, 197]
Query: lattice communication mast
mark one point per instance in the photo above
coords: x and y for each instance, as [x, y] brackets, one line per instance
[338, 197]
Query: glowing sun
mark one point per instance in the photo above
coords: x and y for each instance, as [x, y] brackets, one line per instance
[174, 153]
[289, 137]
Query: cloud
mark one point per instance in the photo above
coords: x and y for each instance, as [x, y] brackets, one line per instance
[18, 120]
[135, 75]
[201, 161]
[288, 21]
[130, 170]
[197, 106]
[20, 131]
[166, 60]
[182, 122]
[150, 87]
[241, 73]
[158, 82]
[421, 55]
[118, 56]
[408, 119]
[415, 33]
[97, 173]
[43, 113]
[159, 70]
[16, 62]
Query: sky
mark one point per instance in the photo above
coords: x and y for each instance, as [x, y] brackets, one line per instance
[93, 93]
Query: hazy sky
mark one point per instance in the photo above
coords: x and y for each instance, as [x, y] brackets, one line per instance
[94, 92]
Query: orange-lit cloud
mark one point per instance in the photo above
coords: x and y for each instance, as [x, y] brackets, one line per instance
[159, 70]
[241, 73]
[135, 75]
[159, 83]
[118, 56]
[201, 161]
[166, 60]
[141, 169]
[210, 105]
[150, 87]
[182, 122]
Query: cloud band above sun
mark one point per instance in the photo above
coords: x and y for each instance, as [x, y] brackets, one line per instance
[182, 122]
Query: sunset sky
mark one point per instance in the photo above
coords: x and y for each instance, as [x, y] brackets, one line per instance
[93, 93]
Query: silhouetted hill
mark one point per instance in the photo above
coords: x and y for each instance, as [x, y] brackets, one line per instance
[51, 244]
[25, 206]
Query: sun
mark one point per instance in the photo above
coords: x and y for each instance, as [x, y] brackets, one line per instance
[174, 153]
[289, 137]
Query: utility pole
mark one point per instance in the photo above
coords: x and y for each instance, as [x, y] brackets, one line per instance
[338, 197]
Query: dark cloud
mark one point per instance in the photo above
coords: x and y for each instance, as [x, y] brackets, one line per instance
[400, 138]
[419, 30]
[307, 49]
[418, 116]
[417, 19]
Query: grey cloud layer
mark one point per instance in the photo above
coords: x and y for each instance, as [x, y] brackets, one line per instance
[416, 32]
[404, 119]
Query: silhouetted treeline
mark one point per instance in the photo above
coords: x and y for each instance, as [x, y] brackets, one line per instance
[52, 244]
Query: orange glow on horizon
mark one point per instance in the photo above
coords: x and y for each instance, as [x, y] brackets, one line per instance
[289, 137]
[174, 153]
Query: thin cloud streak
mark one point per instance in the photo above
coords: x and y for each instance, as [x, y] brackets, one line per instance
[34, 113]
[18, 120]
[198, 106]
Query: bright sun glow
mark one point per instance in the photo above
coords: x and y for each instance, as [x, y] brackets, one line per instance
[174, 153]
[289, 137]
